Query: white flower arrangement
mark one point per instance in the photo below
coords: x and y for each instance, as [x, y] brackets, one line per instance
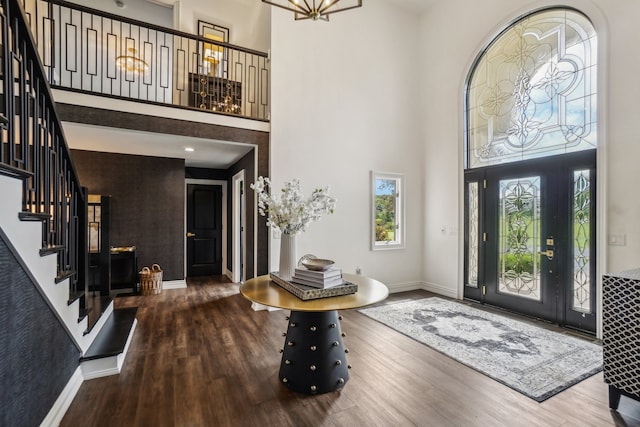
[288, 210]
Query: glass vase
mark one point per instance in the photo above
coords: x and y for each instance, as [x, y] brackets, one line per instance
[288, 258]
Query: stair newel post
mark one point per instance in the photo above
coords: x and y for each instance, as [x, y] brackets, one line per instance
[83, 245]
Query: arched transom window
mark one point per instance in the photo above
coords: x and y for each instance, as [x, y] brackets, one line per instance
[532, 93]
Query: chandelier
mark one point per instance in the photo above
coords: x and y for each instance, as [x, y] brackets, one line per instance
[315, 9]
[131, 62]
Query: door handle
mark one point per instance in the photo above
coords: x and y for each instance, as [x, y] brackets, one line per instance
[190, 234]
[548, 253]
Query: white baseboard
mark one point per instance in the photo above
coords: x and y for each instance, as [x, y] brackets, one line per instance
[412, 286]
[440, 290]
[403, 287]
[59, 408]
[174, 284]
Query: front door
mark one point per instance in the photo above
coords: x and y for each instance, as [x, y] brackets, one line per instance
[204, 230]
[531, 246]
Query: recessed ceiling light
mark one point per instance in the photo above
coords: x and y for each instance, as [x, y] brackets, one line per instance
[120, 4]
[189, 149]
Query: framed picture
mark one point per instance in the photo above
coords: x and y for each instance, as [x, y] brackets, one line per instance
[215, 57]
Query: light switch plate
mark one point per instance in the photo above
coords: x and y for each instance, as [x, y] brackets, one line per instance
[617, 239]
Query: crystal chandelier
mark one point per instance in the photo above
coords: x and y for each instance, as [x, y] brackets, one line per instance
[315, 9]
[131, 62]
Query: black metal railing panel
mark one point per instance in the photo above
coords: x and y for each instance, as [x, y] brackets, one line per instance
[33, 143]
[91, 51]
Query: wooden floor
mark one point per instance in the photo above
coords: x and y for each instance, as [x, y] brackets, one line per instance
[201, 357]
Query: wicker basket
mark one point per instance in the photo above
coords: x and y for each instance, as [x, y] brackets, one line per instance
[151, 280]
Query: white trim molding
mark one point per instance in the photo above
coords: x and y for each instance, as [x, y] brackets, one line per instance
[62, 403]
[430, 287]
[174, 284]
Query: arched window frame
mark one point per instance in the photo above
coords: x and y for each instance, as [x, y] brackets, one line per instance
[571, 131]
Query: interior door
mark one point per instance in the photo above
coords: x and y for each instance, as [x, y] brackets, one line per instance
[204, 230]
[530, 247]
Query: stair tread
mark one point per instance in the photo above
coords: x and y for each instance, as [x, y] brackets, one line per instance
[31, 216]
[51, 249]
[64, 274]
[73, 296]
[14, 172]
[82, 313]
[112, 338]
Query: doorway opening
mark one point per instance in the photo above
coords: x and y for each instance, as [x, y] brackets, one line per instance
[238, 242]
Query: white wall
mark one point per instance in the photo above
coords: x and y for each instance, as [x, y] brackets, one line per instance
[452, 34]
[347, 103]
[247, 20]
[142, 10]
[365, 91]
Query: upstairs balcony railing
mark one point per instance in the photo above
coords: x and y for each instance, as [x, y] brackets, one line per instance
[90, 51]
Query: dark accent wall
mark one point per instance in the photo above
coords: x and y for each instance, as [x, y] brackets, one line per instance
[37, 356]
[248, 164]
[147, 204]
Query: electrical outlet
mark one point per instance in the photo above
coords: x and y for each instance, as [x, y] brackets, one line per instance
[358, 271]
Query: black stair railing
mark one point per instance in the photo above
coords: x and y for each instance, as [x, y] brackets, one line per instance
[34, 148]
[90, 51]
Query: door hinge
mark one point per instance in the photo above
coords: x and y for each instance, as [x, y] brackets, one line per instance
[484, 290]
[484, 183]
[484, 237]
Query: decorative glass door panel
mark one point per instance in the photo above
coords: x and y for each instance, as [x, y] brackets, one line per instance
[519, 237]
[529, 238]
[581, 241]
[472, 225]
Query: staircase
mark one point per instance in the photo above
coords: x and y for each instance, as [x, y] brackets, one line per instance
[43, 221]
[25, 235]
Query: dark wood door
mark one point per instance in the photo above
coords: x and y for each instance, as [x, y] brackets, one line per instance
[204, 230]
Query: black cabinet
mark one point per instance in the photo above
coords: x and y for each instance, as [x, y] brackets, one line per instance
[215, 93]
[109, 268]
[124, 268]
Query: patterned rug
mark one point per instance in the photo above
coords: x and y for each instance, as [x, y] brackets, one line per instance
[536, 362]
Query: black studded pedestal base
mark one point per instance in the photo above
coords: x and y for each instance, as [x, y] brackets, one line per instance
[314, 358]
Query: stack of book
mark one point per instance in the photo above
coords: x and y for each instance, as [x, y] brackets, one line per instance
[318, 279]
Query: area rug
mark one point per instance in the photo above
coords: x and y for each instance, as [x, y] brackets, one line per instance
[531, 360]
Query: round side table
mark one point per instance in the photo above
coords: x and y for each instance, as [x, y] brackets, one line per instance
[314, 357]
